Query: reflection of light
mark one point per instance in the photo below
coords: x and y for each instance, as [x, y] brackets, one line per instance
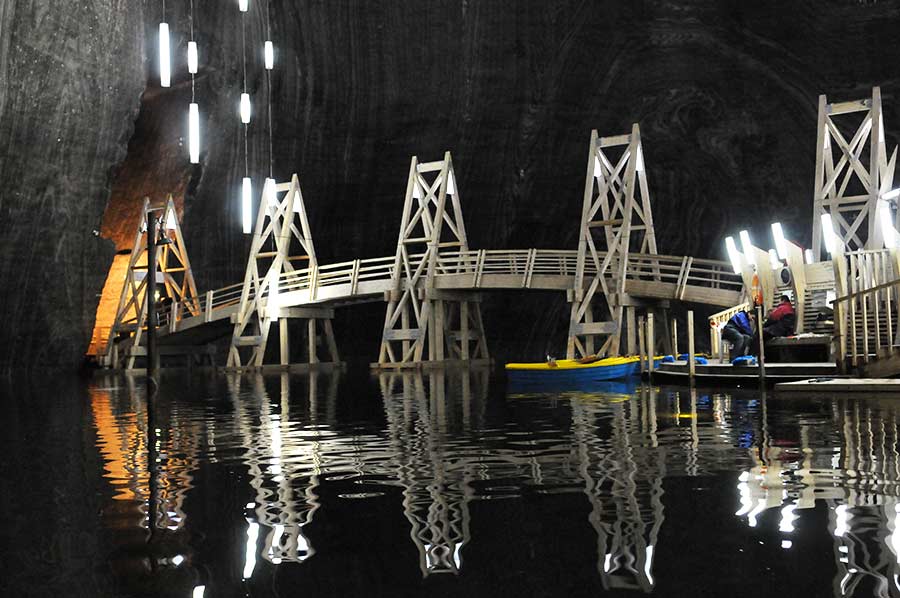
[649, 563]
[745, 475]
[606, 563]
[751, 516]
[841, 519]
[198, 592]
[250, 557]
[177, 559]
[843, 549]
[894, 540]
[251, 505]
[302, 544]
[787, 518]
[746, 498]
[786, 543]
[456, 555]
[276, 537]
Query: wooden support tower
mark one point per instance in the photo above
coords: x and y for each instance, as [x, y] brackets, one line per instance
[173, 271]
[852, 172]
[282, 260]
[418, 315]
[615, 219]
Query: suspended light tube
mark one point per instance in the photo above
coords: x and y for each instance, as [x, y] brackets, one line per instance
[192, 58]
[781, 245]
[828, 235]
[887, 227]
[808, 254]
[733, 254]
[773, 259]
[246, 204]
[245, 108]
[451, 187]
[748, 248]
[269, 192]
[892, 193]
[269, 52]
[194, 133]
[165, 72]
[243, 5]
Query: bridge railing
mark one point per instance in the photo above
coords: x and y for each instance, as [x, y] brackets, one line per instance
[683, 271]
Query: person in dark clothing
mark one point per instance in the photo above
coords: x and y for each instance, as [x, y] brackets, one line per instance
[739, 332]
[781, 320]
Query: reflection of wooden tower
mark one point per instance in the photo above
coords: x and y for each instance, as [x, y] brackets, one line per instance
[849, 187]
[173, 270]
[418, 314]
[281, 238]
[615, 220]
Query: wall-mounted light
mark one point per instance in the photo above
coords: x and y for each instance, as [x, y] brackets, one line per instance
[194, 133]
[192, 58]
[245, 108]
[808, 254]
[828, 235]
[781, 245]
[733, 254]
[246, 204]
[165, 72]
[269, 53]
[747, 246]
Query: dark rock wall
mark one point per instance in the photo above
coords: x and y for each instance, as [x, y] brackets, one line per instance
[725, 93]
[71, 75]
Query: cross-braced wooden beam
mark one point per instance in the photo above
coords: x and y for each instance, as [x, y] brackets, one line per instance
[173, 270]
[852, 172]
[282, 257]
[616, 219]
[417, 316]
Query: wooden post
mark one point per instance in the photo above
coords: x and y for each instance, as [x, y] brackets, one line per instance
[690, 332]
[674, 338]
[641, 344]
[209, 302]
[650, 345]
[630, 323]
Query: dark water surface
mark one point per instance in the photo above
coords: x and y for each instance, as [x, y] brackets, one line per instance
[443, 484]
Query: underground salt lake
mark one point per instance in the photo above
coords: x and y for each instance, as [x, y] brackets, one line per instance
[442, 483]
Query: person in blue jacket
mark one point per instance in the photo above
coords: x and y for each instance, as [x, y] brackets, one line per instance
[739, 332]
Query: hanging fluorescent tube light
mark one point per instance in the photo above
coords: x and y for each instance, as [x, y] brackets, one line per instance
[165, 73]
[269, 55]
[192, 58]
[781, 245]
[773, 259]
[891, 194]
[451, 187]
[598, 170]
[640, 161]
[887, 226]
[808, 254]
[245, 108]
[243, 5]
[417, 190]
[194, 133]
[269, 193]
[828, 235]
[733, 254]
[246, 204]
[748, 248]
[170, 220]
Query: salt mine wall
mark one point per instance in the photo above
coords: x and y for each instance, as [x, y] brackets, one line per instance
[725, 93]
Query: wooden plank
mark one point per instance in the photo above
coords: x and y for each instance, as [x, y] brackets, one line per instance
[589, 328]
[403, 334]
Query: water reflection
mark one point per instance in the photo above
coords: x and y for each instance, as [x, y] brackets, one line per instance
[818, 477]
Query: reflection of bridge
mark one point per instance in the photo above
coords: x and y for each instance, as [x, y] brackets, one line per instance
[432, 283]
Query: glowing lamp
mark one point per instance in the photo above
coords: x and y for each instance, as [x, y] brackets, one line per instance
[417, 190]
[246, 204]
[194, 133]
[243, 5]
[245, 108]
[639, 167]
[808, 254]
[269, 193]
[192, 58]
[773, 259]
[451, 188]
[893, 193]
[269, 52]
[170, 220]
[781, 245]
[598, 171]
[198, 592]
[747, 246]
[887, 227]
[165, 73]
[733, 254]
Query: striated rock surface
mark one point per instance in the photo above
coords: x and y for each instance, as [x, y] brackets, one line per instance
[725, 93]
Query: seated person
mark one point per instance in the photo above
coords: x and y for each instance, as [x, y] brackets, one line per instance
[739, 332]
[780, 321]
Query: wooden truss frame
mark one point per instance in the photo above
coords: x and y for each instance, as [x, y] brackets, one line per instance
[847, 188]
[418, 315]
[173, 265]
[282, 228]
[616, 190]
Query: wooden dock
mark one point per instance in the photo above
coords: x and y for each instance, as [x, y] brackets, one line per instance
[834, 385]
[725, 373]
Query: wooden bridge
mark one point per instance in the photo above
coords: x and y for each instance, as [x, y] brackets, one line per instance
[433, 283]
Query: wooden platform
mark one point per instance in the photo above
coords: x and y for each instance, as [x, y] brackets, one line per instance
[726, 373]
[832, 385]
